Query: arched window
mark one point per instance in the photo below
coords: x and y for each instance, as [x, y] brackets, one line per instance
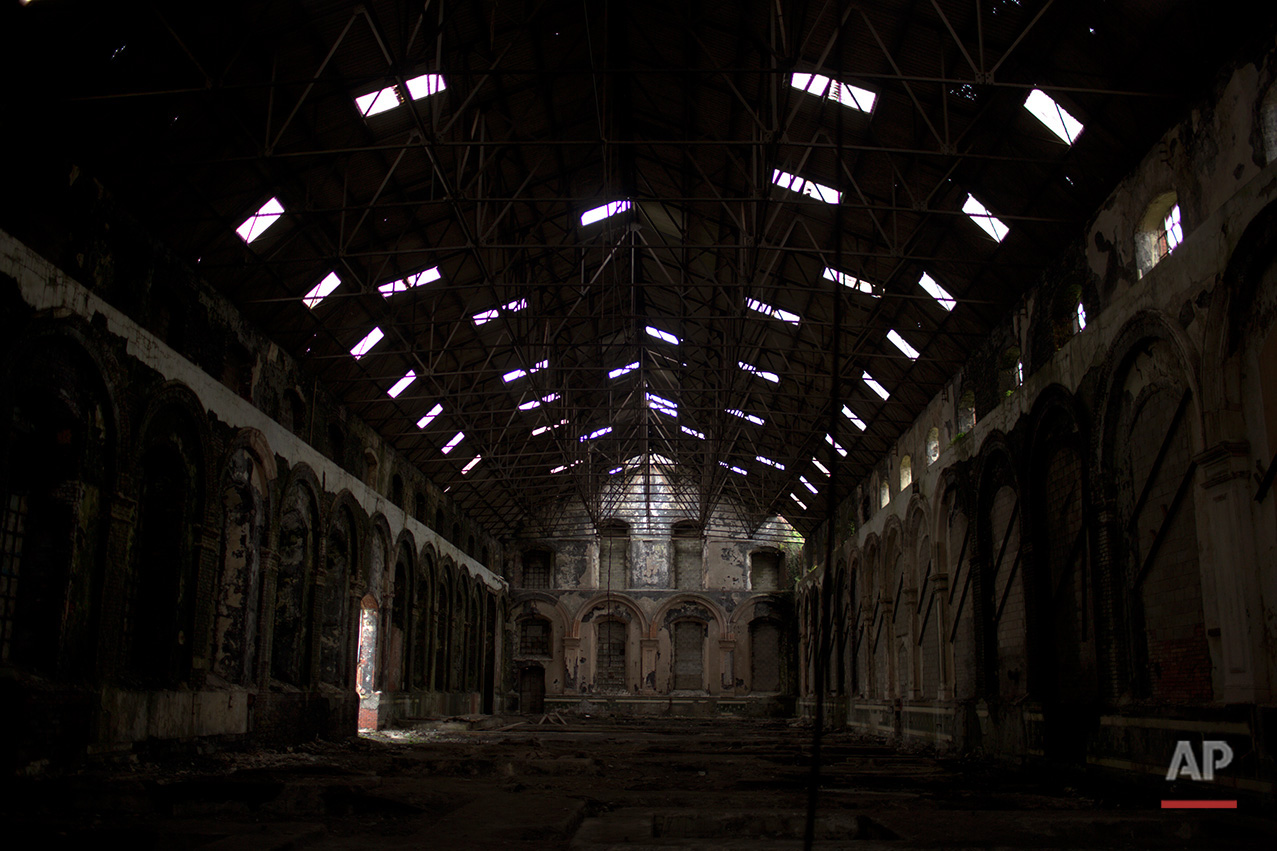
[884, 493]
[610, 657]
[396, 490]
[933, 445]
[298, 546]
[686, 541]
[966, 412]
[536, 569]
[343, 549]
[419, 506]
[614, 554]
[906, 472]
[1160, 231]
[367, 670]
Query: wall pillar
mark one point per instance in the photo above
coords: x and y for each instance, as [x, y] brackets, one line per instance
[647, 651]
[725, 681]
[573, 664]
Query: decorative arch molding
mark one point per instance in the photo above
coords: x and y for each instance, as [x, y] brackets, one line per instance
[667, 614]
[609, 606]
[257, 445]
[539, 604]
[776, 608]
[174, 397]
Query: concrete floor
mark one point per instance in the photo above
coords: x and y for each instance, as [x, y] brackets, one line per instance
[598, 783]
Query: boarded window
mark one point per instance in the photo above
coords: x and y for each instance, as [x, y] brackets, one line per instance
[614, 550]
[764, 571]
[536, 569]
[534, 637]
[764, 663]
[687, 555]
[611, 657]
[689, 652]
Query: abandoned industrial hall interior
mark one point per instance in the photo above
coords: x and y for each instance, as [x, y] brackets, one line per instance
[538, 424]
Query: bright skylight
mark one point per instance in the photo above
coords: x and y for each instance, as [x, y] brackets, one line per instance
[665, 406]
[256, 224]
[1050, 113]
[452, 444]
[430, 415]
[857, 421]
[761, 373]
[473, 461]
[425, 85]
[900, 343]
[403, 284]
[806, 187]
[801, 504]
[322, 290]
[562, 467]
[402, 384]
[489, 315]
[664, 336]
[744, 416]
[693, 432]
[363, 346]
[389, 97]
[1081, 317]
[821, 467]
[773, 312]
[849, 281]
[734, 469]
[847, 95]
[829, 439]
[615, 470]
[598, 214]
[544, 429]
[769, 462]
[988, 223]
[596, 433]
[519, 373]
[536, 403]
[808, 484]
[936, 291]
[622, 370]
[874, 385]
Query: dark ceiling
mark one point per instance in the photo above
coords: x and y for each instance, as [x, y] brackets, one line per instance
[195, 114]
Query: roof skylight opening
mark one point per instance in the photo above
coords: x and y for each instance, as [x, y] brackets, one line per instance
[830, 440]
[856, 421]
[874, 385]
[402, 384]
[452, 444]
[693, 432]
[849, 281]
[622, 370]
[596, 433]
[425, 85]
[988, 222]
[1079, 324]
[378, 101]
[847, 95]
[801, 504]
[536, 403]
[321, 290]
[900, 343]
[665, 406]
[430, 415]
[808, 484]
[1050, 113]
[363, 346]
[256, 224]
[542, 429]
[769, 462]
[806, 187]
[489, 315]
[404, 284]
[733, 468]
[473, 461]
[744, 416]
[598, 214]
[939, 293]
[821, 467]
[773, 312]
[615, 470]
[519, 373]
[663, 336]
[562, 467]
[761, 373]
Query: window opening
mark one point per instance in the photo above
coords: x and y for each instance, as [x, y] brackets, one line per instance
[906, 473]
[534, 637]
[386, 99]
[1079, 319]
[933, 445]
[405, 284]
[833, 90]
[622, 370]
[365, 345]
[769, 462]
[761, 373]
[795, 498]
[520, 373]
[536, 569]
[875, 386]
[452, 444]
[850, 281]
[821, 467]
[430, 415]
[744, 416]
[884, 494]
[808, 484]
[536, 403]
[830, 440]
[689, 655]
[1171, 234]
[773, 312]
[321, 290]
[488, 315]
[987, 222]
[901, 344]
[663, 336]
[611, 657]
[737, 470]
[693, 432]
[686, 536]
[543, 429]
[470, 466]
[598, 214]
[810, 188]
[856, 421]
[255, 225]
[402, 384]
[665, 406]
[596, 433]
[366, 667]
[1056, 119]
[937, 292]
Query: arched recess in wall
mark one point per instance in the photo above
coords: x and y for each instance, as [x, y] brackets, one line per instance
[343, 548]
[895, 653]
[422, 639]
[371, 672]
[1159, 231]
[610, 629]
[1001, 625]
[955, 543]
[687, 626]
[299, 538]
[245, 491]
[688, 544]
[1061, 604]
[871, 620]
[835, 682]
[60, 432]
[1149, 440]
[614, 554]
[457, 638]
[925, 632]
[443, 621]
[474, 636]
[403, 619]
[163, 592]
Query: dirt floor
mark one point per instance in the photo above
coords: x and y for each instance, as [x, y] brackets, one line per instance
[599, 783]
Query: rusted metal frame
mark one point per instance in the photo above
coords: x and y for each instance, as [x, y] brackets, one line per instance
[898, 77]
[820, 63]
[977, 70]
[271, 144]
[997, 563]
[1172, 510]
[1028, 27]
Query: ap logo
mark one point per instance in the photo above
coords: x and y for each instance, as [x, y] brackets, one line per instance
[1215, 754]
